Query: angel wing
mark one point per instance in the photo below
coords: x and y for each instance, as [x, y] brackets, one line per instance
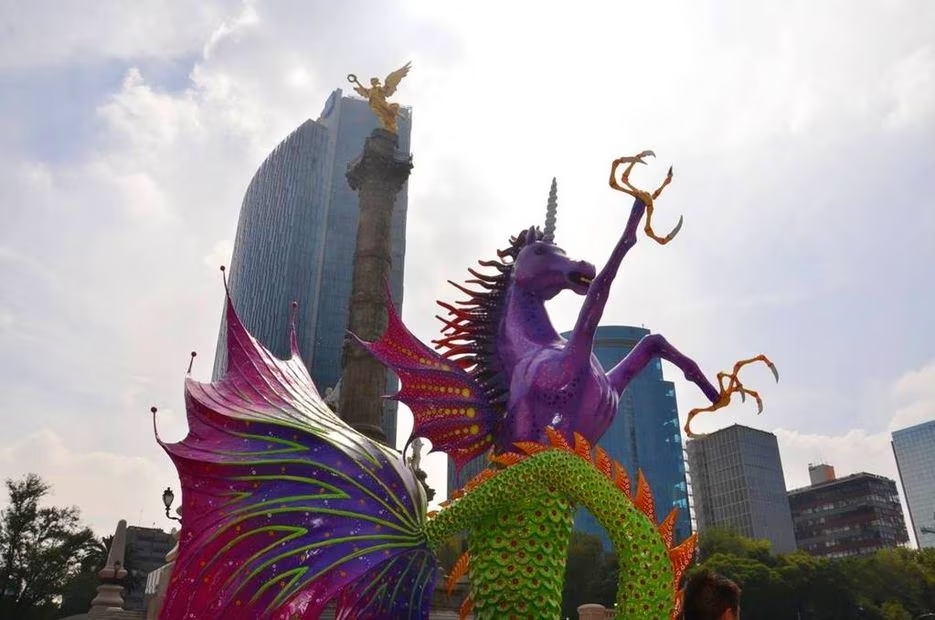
[394, 78]
[286, 508]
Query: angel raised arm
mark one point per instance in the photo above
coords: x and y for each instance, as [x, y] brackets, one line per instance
[377, 94]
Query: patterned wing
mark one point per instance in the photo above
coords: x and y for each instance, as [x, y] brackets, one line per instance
[447, 405]
[287, 509]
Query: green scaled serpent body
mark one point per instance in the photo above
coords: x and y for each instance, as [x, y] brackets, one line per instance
[519, 521]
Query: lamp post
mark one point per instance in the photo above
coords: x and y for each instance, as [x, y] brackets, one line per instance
[167, 498]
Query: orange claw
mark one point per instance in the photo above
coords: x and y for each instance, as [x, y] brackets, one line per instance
[730, 384]
[647, 198]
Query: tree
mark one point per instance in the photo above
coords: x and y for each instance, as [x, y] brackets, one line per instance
[586, 572]
[41, 549]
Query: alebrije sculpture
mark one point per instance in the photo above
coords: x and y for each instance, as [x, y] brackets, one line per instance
[286, 509]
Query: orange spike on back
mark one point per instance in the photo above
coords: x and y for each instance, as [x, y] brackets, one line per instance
[457, 571]
[604, 463]
[582, 447]
[431, 514]
[480, 478]
[682, 556]
[667, 527]
[556, 439]
[621, 478]
[679, 604]
[466, 607]
[644, 497]
[507, 459]
[530, 447]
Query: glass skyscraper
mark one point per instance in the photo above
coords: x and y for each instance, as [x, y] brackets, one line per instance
[914, 448]
[737, 483]
[296, 238]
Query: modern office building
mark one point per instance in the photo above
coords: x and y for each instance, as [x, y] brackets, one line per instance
[914, 448]
[737, 483]
[839, 517]
[296, 238]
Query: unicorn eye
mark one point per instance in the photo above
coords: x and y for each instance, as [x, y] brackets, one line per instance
[540, 250]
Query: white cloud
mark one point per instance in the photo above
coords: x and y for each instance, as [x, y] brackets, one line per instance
[915, 397]
[50, 32]
[106, 486]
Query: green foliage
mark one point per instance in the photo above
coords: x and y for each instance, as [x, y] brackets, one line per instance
[41, 550]
[590, 574]
[890, 584]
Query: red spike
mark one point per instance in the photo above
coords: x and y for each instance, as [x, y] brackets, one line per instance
[556, 439]
[466, 607]
[681, 556]
[644, 497]
[604, 463]
[457, 571]
[582, 447]
[667, 527]
[431, 514]
[531, 447]
[621, 478]
[459, 349]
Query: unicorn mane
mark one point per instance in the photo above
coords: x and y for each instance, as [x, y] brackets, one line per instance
[470, 335]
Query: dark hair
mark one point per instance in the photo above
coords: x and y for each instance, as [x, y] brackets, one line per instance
[708, 595]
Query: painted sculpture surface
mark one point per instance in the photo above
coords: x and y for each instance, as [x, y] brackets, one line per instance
[287, 509]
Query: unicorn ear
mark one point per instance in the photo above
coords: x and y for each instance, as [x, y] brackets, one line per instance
[531, 235]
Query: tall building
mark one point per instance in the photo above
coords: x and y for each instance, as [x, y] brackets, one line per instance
[855, 515]
[737, 483]
[296, 238]
[914, 448]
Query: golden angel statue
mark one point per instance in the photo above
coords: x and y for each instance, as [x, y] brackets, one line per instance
[377, 94]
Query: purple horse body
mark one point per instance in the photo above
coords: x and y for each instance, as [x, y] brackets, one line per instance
[557, 382]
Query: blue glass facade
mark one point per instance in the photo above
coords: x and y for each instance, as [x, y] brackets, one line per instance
[296, 238]
[914, 448]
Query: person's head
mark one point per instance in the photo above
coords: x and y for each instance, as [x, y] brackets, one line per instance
[709, 596]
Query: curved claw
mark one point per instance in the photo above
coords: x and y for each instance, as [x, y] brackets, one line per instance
[675, 230]
[772, 367]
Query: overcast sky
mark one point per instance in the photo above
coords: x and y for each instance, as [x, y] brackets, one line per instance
[801, 134]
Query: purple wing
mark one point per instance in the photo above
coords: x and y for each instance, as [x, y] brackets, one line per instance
[448, 407]
[286, 509]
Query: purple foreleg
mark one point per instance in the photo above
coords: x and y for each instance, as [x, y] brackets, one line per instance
[653, 346]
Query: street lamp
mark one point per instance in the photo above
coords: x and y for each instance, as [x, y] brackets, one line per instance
[167, 498]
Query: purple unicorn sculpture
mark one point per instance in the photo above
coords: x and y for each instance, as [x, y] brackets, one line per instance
[514, 376]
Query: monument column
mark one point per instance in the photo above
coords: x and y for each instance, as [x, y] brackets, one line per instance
[377, 176]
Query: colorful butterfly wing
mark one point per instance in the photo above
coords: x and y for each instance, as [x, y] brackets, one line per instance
[286, 509]
[447, 405]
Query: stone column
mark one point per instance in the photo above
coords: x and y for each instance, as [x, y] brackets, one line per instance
[377, 176]
[110, 592]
